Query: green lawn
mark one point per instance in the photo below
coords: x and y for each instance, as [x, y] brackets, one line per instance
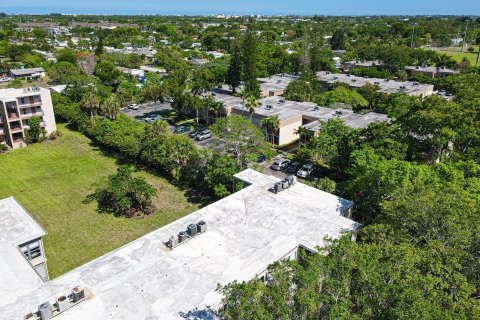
[52, 180]
[455, 53]
[458, 56]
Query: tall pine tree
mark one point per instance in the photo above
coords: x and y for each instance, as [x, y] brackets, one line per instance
[234, 73]
[250, 63]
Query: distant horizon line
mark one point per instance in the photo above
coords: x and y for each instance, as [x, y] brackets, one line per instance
[237, 14]
[251, 11]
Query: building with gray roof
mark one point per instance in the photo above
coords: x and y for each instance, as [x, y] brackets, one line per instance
[385, 85]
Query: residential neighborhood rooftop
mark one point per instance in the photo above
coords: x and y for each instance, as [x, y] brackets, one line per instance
[385, 85]
[430, 69]
[287, 109]
[27, 71]
[246, 232]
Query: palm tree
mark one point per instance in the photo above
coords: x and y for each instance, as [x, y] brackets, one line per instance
[211, 106]
[251, 104]
[271, 125]
[91, 102]
[111, 106]
[275, 125]
[216, 107]
[302, 132]
[266, 124]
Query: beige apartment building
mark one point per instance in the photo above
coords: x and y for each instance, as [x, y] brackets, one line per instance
[291, 115]
[431, 72]
[17, 106]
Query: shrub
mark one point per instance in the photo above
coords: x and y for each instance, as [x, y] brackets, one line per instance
[125, 195]
[3, 148]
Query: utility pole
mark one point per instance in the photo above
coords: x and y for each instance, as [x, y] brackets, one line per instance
[464, 37]
[478, 56]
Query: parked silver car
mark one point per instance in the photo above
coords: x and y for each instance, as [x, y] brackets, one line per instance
[280, 164]
[305, 171]
[206, 134]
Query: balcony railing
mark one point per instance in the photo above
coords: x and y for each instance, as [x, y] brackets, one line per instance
[30, 114]
[31, 105]
[16, 129]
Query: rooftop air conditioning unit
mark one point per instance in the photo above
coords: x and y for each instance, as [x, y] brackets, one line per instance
[291, 180]
[278, 187]
[192, 229]
[78, 294]
[45, 310]
[182, 236]
[201, 226]
[285, 184]
[62, 303]
[173, 242]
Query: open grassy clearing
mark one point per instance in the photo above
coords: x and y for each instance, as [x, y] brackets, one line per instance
[455, 53]
[458, 56]
[52, 181]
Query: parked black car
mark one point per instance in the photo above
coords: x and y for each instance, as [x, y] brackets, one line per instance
[293, 168]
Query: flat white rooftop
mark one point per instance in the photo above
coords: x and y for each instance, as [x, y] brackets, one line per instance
[17, 276]
[12, 93]
[385, 85]
[247, 231]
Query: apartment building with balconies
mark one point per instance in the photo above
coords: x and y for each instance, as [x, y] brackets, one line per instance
[17, 106]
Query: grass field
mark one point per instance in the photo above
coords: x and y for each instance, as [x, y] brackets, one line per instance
[458, 56]
[455, 53]
[52, 180]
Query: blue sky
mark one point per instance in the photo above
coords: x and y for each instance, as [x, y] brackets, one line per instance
[307, 7]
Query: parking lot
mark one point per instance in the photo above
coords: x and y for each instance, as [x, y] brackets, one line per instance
[147, 110]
